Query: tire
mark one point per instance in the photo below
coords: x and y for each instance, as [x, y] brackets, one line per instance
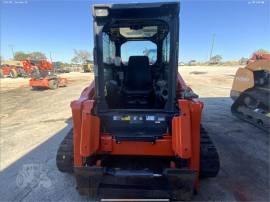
[1, 73]
[13, 73]
[53, 84]
[35, 88]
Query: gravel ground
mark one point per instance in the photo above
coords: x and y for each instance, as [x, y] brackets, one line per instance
[33, 123]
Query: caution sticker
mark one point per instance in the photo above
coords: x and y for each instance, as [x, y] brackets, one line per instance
[125, 118]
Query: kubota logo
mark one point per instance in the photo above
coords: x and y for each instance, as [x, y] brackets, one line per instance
[33, 175]
[242, 78]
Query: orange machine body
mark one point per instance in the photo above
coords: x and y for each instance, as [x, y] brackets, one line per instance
[42, 65]
[183, 141]
[44, 82]
[6, 69]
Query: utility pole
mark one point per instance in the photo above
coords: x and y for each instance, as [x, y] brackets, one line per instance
[12, 50]
[212, 46]
[51, 56]
[51, 61]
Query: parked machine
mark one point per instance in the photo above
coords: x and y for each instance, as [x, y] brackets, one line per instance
[137, 128]
[88, 66]
[251, 91]
[12, 69]
[8, 71]
[25, 68]
[43, 76]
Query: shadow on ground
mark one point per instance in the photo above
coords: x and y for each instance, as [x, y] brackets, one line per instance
[34, 177]
[243, 151]
[244, 156]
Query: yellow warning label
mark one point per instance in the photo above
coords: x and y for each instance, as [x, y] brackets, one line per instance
[125, 118]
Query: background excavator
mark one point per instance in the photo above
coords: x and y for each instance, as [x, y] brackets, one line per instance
[251, 91]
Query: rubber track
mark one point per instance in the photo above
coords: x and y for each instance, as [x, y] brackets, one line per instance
[209, 159]
[64, 157]
[259, 94]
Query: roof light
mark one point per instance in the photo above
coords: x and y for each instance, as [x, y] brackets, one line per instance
[101, 12]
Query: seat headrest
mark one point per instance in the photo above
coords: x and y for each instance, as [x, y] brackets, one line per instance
[138, 60]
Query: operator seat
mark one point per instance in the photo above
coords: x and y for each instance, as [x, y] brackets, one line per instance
[138, 83]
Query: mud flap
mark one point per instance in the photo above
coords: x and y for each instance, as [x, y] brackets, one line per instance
[99, 182]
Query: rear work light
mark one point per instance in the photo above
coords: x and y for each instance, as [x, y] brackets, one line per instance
[101, 12]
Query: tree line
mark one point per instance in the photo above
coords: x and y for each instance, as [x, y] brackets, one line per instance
[83, 56]
[80, 56]
[217, 59]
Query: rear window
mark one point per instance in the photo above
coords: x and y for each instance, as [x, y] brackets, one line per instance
[137, 48]
[147, 31]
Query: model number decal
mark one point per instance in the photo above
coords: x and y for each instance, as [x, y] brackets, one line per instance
[150, 118]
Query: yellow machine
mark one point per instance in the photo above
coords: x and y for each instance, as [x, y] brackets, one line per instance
[251, 91]
[88, 66]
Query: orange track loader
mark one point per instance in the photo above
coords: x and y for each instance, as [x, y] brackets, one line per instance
[43, 76]
[137, 127]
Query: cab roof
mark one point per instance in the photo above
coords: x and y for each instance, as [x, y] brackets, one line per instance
[138, 10]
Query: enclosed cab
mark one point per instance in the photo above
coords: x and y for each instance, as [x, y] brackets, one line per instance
[133, 100]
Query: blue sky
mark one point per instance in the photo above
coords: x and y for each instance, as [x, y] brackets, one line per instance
[240, 26]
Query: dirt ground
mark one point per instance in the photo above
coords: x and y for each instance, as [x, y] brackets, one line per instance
[33, 123]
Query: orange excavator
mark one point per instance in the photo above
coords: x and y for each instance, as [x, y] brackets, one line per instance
[43, 76]
[137, 127]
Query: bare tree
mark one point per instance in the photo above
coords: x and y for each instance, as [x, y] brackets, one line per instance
[216, 59]
[243, 61]
[37, 56]
[81, 56]
[20, 55]
[262, 51]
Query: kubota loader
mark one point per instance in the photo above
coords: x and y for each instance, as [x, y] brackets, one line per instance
[137, 127]
[43, 76]
[251, 91]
